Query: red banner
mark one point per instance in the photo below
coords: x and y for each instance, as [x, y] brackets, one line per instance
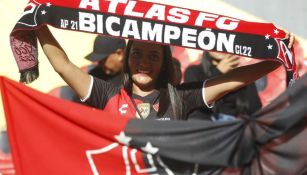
[52, 136]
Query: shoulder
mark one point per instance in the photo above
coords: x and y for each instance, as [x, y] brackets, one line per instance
[193, 69]
[105, 86]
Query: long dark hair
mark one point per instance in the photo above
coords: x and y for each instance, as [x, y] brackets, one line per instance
[168, 94]
[242, 105]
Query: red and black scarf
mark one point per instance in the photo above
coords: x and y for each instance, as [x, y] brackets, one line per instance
[150, 22]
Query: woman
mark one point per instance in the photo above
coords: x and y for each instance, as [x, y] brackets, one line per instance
[146, 91]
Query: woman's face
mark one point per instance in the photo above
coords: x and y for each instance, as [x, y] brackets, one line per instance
[145, 62]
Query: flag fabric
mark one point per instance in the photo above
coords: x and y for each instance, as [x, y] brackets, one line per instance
[150, 22]
[52, 136]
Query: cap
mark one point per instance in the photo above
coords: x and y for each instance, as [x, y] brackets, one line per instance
[104, 46]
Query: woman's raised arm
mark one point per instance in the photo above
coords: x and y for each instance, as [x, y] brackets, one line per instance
[237, 78]
[219, 86]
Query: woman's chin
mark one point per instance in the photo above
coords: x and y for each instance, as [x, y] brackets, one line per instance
[143, 82]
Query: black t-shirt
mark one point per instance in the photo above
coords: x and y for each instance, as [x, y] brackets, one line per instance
[99, 73]
[114, 99]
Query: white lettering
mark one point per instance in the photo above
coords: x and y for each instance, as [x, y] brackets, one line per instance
[232, 25]
[131, 28]
[189, 37]
[123, 109]
[205, 17]
[223, 41]
[171, 32]
[94, 4]
[129, 10]
[109, 23]
[86, 22]
[156, 11]
[100, 23]
[155, 33]
[243, 50]
[211, 39]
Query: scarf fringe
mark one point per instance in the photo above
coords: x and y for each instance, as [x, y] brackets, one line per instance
[28, 76]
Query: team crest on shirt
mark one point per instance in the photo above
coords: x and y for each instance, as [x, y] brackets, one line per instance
[144, 109]
[156, 107]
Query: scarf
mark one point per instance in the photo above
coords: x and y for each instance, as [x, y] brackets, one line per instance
[149, 22]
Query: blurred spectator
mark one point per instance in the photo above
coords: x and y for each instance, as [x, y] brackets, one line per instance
[6, 162]
[4, 146]
[108, 55]
[244, 101]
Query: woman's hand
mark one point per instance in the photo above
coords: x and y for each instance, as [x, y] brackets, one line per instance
[228, 63]
[291, 38]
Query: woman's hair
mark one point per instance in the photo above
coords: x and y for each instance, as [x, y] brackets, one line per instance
[163, 83]
[242, 105]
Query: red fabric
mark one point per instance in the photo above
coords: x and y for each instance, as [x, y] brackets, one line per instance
[36, 122]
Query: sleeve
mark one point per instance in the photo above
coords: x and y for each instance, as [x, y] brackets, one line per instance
[192, 96]
[99, 93]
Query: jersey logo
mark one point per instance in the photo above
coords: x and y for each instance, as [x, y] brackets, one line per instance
[28, 17]
[123, 109]
[144, 109]
[156, 107]
[116, 158]
[285, 54]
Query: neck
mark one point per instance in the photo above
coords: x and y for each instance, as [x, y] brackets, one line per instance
[142, 91]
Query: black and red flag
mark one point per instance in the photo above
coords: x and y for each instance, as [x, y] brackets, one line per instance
[52, 136]
[149, 22]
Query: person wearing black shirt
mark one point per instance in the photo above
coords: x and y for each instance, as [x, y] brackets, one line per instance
[148, 68]
[244, 101]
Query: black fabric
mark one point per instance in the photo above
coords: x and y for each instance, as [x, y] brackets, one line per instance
[101, 92]
[68, 94]
[112, 98]
[229, 103]
[271, 142]
[116, 79]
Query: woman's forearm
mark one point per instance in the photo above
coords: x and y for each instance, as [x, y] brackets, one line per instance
[245, 75]
[237, 78]
[78, 80]
[54, 52]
